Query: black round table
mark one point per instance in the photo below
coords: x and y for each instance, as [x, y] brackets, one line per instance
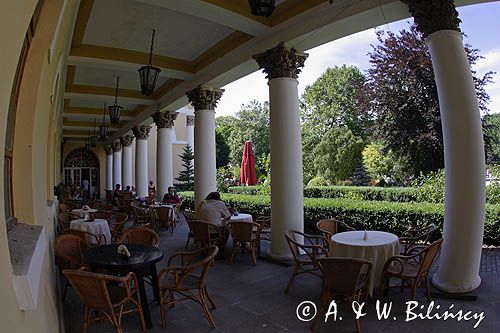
[142, 262]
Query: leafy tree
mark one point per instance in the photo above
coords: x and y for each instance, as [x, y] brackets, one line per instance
[376, 164]
[491, 130]
[222, 150]
[401, 95]
[337, 154]
[186, 176]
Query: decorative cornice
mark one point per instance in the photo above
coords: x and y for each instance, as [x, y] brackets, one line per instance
[204, 98]
[127, 140]
[165, 119]
[109, 150]
[141, 132]
[189, 120]
[281, 61]
[116, 146]
[434, 15]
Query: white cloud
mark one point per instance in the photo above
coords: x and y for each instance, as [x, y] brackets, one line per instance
[491, 62]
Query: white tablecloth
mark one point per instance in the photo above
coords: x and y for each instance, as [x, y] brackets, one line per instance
[96, 227]
[80, 212]
[379, 247]
[242, 218]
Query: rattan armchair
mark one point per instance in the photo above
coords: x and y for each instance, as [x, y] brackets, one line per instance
[305, 254]
[140, 235]
[102, 214]
[243, 234]
[330, 227]
[107, 296]
[92, 239]
[412, 269]
[343, 279]
[207, 233]
[185, 275]
[420, 237]
[166, 217]
[141, 214]
[189, 216]
[117, 227]
[265, 230]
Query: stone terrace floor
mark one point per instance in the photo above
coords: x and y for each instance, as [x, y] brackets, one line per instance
[251, 299]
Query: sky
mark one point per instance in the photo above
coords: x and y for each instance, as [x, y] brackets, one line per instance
[479, 22]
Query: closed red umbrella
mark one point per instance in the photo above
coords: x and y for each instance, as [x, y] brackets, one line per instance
[247, 175]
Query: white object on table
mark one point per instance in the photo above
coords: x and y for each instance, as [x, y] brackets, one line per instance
[161, 205]
[241, 217]
[377, 248]
[96, 227]
[81, 212]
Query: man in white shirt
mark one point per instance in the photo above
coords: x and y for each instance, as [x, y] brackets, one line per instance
[213, 209]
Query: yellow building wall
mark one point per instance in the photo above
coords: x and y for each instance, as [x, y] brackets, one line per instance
[32, 157]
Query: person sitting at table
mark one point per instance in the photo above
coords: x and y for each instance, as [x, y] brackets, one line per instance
[117, 193]
[134, 192]
[212, 209]
[171, 198]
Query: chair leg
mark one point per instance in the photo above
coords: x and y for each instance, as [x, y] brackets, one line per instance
[428, 287]
[209, 298]
[66, 285]
[205, 309]
[252, 251]
[187, 241]
[163, 313]
[235, 244]
[86, 319]
[414, 289]
[292, 278]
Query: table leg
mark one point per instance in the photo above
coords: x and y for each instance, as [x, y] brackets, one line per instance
[144, 299]
[154, 281]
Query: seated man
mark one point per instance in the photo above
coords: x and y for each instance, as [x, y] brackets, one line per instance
[213, 209]
[171, 197]
[117, 194]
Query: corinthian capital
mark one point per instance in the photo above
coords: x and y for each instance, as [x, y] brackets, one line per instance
[281, 61]
[189, 120]
[126, 140]
[434, 15]
[204, 98]
[141, 132]
[109, 149]
[165, 119]
[116, 146]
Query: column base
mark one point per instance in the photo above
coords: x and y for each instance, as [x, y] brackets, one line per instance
[446, 287]
[279, 257]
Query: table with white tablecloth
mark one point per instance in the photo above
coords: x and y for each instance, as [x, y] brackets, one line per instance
[81, 212]
[241, 217]
[96, 227]
[377, 248]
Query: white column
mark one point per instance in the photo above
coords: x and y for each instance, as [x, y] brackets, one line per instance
[204, 100]
[190, 131]
[126, 142]
[109, 168]
[141, 134]
[164, 163]
[117, 163]
[282, 66]
[464, 165]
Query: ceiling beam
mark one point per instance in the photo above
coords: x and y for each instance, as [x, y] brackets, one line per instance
[69, 123]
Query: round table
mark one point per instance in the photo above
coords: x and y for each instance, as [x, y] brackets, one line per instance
[142, 262]
[96, 227]
[82, 212]
[377, 248]
[242, 217]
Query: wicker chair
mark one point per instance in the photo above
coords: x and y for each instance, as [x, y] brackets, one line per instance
[140, 235]
[185, 275]
[330, 227]
[305, 254]
[141, 214]
[343, 278]
[265, 230]
[107, 295]
[207, 233]
[411, 238]
[117, 227]
[189, 215]
[69, 251]
[102, 214]
[166, 217]
[244, 233]
[413, 269]
[63, 208]
[92, 239]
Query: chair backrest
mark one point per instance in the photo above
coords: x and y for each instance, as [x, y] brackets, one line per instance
[121, 218]
[301, 243]
[413, 237]
[344, 276]
[428, 255]
[140, 235]
[243, 231]
[63, 208]
[264, 221]
[126, 195]
[202, 231]
[92, 289]
[63, 219]
[102, 214]
[165, 214]
[70, 249]
[88, 237]
[328, 227]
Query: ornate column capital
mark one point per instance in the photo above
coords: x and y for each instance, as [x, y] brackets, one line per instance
[141, 132]
[204, 97]
[126, 140]
[281, 61]
[189, 120]
[165, 119]
[108, 149]
[116, 146]
[434, 15]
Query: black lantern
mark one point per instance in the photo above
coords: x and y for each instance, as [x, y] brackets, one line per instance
[103, 128]
[262, 7]
[149, 74]
[115, 110]
[93, 138]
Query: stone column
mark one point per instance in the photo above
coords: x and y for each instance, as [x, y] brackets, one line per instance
[282, 66]
[109, 167]
[141, 134]
[204, 100]
[190, 131]
[165, 137]
[117, 163]
[463, 146]
[126, 142]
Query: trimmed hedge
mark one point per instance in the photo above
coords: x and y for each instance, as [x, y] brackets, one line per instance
[393, 217]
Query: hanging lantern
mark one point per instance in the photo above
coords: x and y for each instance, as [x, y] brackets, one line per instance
[149, 74]
[103, 128]
[87, 144]
[262, 7]
[93, 137]
[115, 110]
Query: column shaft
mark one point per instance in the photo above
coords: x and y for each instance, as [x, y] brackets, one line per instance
[141, 167]
[464, 164]
[164, 167]
[127, 166]
[109, 171]
[117, 167]
[204, 154]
